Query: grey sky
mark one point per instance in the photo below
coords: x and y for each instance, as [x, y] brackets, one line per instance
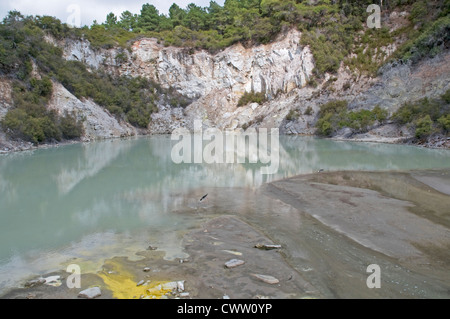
[89, 10]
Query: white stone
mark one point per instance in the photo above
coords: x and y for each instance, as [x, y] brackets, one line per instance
[267, 279]
[234, 263]
[180, 286]
[90, 293]
[54, 281]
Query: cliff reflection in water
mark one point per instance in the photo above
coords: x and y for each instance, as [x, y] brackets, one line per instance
[54, 197]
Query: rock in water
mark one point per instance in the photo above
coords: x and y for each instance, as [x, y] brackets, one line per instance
[35, 282]
[54, 281]
[267, 279]
[267, 247]
[234, 263]
[90, 293]
[180, 285]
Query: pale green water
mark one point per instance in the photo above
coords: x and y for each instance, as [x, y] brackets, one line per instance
[90, 200]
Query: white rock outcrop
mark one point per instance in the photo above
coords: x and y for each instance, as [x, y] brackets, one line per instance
[98, 123]
[214, 81]
[276, 67]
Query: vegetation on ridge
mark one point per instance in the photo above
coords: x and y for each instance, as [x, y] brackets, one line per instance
[23, 47]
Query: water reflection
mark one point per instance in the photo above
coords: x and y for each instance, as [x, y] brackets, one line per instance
[90, 161]
[52, 198]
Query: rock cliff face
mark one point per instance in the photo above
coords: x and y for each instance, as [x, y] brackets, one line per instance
[6, 99]
[280, 70]
[273, 68]
[215, 82]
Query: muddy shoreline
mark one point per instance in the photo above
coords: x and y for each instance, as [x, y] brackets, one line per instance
[330, 226]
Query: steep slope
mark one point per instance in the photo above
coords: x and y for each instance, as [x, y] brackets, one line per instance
[98, 123]
[216, 82]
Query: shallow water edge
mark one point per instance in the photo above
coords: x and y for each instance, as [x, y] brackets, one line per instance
[331, 227]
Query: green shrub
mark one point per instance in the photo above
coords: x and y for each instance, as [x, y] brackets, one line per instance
[380, 114]
[70, 127]
[324, 125]
[418, 12]
[308, 111]
[426, 116]
[424, 127]
[139, 117]
[19, 124]
[446, 96]
[292, 115]
[42, 87]
[428, 42]
[444, 121]
[252, 97]
[334, 115]
[359, 120]
[38, 126]
[333, 107]
[347, 85]
[411, 111]
[313, 83]
[30, 119]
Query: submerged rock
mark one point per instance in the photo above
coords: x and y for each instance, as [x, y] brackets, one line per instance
[34, 283]
[90, 293]
[267, 247]
[161, 290]
[234, 263]
[54, 281]
[180, 286]
[267, 279]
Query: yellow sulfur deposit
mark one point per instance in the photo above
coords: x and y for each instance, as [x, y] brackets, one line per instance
[123, 286]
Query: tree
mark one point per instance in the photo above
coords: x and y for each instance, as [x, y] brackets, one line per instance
[13, 17]
[177, 15]
[195, 18]
[216, 17]
[165, 23]
[149, 19]
[424, 127]
[251, 4]
[128, 21]
[51, 24]
[111, 21]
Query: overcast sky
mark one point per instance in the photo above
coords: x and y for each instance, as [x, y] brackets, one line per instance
[86, 11]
